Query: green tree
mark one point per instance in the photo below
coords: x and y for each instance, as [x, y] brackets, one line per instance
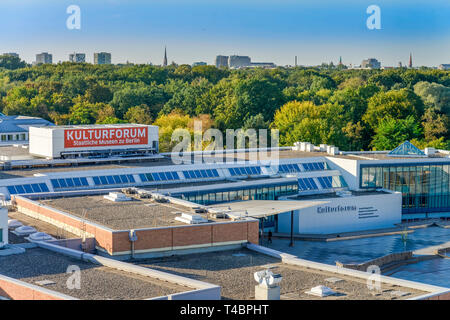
[11, 62]
[139, 114]
[304, 121]
[392, 132]
[434, 95]
[395, 104]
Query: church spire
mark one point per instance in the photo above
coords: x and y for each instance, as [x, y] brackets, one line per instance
[165, 57]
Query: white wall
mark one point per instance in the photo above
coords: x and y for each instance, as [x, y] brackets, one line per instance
[4, 224]
[348, 169]
[49, 141]
[366, 213]
[40, 141]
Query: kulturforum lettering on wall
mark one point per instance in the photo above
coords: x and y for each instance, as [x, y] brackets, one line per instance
[336, 209]
[75, 138]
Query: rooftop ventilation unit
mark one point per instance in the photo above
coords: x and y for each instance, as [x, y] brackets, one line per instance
[40, 236]
[321, 291]
[24, 231]
[117, 197]
[191, 218]
[13, 224]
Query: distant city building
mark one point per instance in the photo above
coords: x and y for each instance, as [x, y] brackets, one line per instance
[444, 67]
[102, 58]
[196, 64]
[43, 58]
[222, 61]
[371, 63]
[165, 57]
[239, 61]
[77, 57]
[11, 54]
[262, 65]
[400, 65]
[410, 65]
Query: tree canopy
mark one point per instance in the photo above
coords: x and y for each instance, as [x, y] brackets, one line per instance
[352, 109]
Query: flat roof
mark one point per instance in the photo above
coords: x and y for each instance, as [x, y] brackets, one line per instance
[233, 271]
[97, 282]
[263, 208]
[135, 214]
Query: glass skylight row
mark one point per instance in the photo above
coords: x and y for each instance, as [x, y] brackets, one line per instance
[305, 184]
[28, 188]
[315, 166]
[285, 168]
[198, 174]
[109, 180]
[69, 183]
[326, 182]
[245, 171]
[159, 176]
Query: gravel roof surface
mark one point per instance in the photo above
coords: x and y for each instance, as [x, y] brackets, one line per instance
[135, 214]
[235, 275]
[97, 282]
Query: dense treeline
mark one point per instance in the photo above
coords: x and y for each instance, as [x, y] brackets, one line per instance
[352, 109]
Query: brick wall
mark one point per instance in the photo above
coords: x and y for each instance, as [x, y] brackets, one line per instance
[15, 290]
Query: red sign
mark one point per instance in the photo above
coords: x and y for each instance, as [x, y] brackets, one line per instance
[103, 137]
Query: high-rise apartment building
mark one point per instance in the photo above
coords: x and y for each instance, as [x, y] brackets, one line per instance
[44, 57]
[222, 61]
[77, 57]
[371, 63]
[102, 58]
[239, 61]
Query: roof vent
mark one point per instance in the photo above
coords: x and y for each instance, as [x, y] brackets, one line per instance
[40, 236]
[24, 231]
[191, 218]
[117, 197]
[321, 291]
[13, 224]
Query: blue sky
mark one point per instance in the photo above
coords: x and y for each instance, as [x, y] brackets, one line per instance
[197, 30]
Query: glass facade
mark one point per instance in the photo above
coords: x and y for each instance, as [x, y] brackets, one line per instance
[424, 186]
[262, 192]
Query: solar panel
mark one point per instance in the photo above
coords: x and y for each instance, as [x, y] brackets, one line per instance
[11, 189]
[44, 187]
[35, 188]
[84, 181]
[69, 182]
[62, 183]
[20, 189]
[77, 182]
[55, 183]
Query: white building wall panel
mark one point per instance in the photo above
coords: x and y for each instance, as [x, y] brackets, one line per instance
[346, 215]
